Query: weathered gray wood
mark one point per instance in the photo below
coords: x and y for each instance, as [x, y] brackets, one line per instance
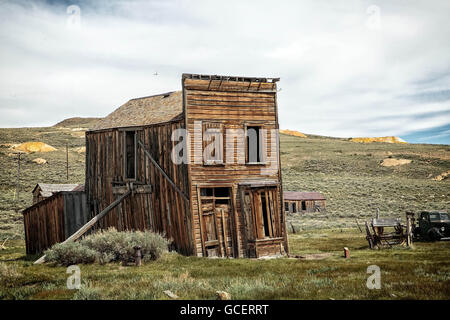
[162, 171]
[89, 225]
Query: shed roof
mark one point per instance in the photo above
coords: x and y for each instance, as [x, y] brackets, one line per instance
[47, 189]
[144, 111]
[296, 195]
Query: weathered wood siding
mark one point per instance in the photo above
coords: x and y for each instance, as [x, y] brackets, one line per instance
[163, 210]
[53, 220]
[234, 105]
[310, 205]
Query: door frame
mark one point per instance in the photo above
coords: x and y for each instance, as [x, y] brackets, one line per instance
[232, 215]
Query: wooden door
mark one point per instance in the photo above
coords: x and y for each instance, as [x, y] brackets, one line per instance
[215, 223]
[261, 213]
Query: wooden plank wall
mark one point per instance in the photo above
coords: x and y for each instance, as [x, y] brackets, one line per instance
[44, 224]
[234, 104]
[75, 212]
[164, 210]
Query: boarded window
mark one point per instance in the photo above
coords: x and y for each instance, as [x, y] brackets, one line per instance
[130, 154]
[212, 143]
[254, 145]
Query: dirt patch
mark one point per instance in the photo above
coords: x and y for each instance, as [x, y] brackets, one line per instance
[389, 139]
[394, 162]
[293, 133]
[33, 147]
[442, 176]
[80, 150]
[39, 161]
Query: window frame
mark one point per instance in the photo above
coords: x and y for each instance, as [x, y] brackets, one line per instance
[262, 147]
[124, 150]
[221, 127]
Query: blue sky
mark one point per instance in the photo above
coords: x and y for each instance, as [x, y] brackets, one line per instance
[347, 68]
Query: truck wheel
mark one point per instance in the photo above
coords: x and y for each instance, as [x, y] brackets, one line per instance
[433, 235]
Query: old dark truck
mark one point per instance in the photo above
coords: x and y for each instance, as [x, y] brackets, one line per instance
[433, 226]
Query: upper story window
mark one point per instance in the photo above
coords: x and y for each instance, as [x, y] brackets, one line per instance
[130, 155]
[254, 147]
[213, 143]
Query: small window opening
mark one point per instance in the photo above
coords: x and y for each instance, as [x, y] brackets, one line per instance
[130, 154]
[294, 207]
[254, 149]
[286, 206]
[207, 192]
[303, 205]
[222, 192]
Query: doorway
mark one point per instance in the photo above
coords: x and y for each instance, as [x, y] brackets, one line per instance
[215, 208]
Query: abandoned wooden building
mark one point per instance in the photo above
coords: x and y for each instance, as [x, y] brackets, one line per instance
[44, 190]
[220, 201]
[303, 202]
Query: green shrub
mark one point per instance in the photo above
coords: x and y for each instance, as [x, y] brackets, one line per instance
[108, 246]
[119, 246]
[70, 253]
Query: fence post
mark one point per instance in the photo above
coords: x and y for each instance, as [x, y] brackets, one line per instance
[137, 255]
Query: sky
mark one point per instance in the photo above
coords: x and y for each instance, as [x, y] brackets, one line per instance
[347, 68]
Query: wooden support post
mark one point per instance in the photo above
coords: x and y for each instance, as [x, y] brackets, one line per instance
[346, 253]
[17, 197]
[67, 161]
[137, 256]
[200, 220]
[409, 228]
[224, 231]
[90, 224]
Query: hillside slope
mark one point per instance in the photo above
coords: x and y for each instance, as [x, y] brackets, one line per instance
[348, 173]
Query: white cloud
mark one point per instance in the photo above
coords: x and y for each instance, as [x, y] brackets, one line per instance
[339, 77]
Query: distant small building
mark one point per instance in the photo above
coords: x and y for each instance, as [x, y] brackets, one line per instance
[45, 190]
[302, 202]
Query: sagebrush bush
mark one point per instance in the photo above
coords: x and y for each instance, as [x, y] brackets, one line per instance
[70, 253]
[119, 246]
[108, 246]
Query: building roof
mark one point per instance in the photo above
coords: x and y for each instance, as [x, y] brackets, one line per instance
[144, 111]
[47, 189]
[295, 195]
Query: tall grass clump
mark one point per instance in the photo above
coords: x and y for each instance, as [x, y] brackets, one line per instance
[109, 246]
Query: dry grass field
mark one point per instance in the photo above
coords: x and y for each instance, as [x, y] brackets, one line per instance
[349, 174]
